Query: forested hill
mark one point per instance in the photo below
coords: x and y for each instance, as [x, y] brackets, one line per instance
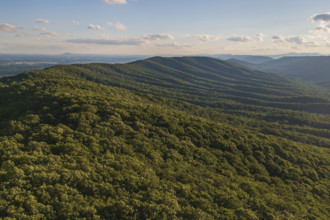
[162, 138]
[261, 99]
[204, 81]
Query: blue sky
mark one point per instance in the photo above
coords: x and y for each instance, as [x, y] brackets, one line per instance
[164, 26]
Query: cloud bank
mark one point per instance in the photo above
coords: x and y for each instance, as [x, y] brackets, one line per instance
[321, 29]
[298, 40]
[135, 42]
[106, 40]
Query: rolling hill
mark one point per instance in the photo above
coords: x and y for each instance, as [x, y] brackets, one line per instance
[206, 80]
[162, 138]
[223, 87]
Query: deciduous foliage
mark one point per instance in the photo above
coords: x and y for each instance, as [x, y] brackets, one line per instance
[77, 148]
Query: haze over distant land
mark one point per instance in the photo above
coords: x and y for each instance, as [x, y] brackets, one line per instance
[305, 66]
[165, 27]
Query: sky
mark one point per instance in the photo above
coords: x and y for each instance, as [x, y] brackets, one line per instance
[163, 27]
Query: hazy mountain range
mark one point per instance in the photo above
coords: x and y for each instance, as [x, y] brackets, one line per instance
[308, 67]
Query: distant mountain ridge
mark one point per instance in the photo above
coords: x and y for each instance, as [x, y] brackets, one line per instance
[277, 56]
[309, 68]
[253, 59]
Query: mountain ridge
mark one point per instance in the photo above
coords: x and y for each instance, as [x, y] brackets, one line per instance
[283, 100]
[308, 68]
[238, 81]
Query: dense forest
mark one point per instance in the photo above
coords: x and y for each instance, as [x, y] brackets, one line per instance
[162, 138]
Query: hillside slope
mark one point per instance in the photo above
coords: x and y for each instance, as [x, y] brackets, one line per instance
[75, 148]
[209, 81]
[264, 102]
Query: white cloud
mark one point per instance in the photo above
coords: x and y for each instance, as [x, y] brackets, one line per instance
[206, 37]
[320, 30]
[243, 39]
[42, 21]
[259, 37]
[174, 45]
[8, 28]
[278, 39]
[120, 27]
[130, 41]
[323, 21]
[45, 32]
[159, 37]
[75, 22]
[11, 29]
[95, 27]
[122, 2]
[298, 40]
[321, 18]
